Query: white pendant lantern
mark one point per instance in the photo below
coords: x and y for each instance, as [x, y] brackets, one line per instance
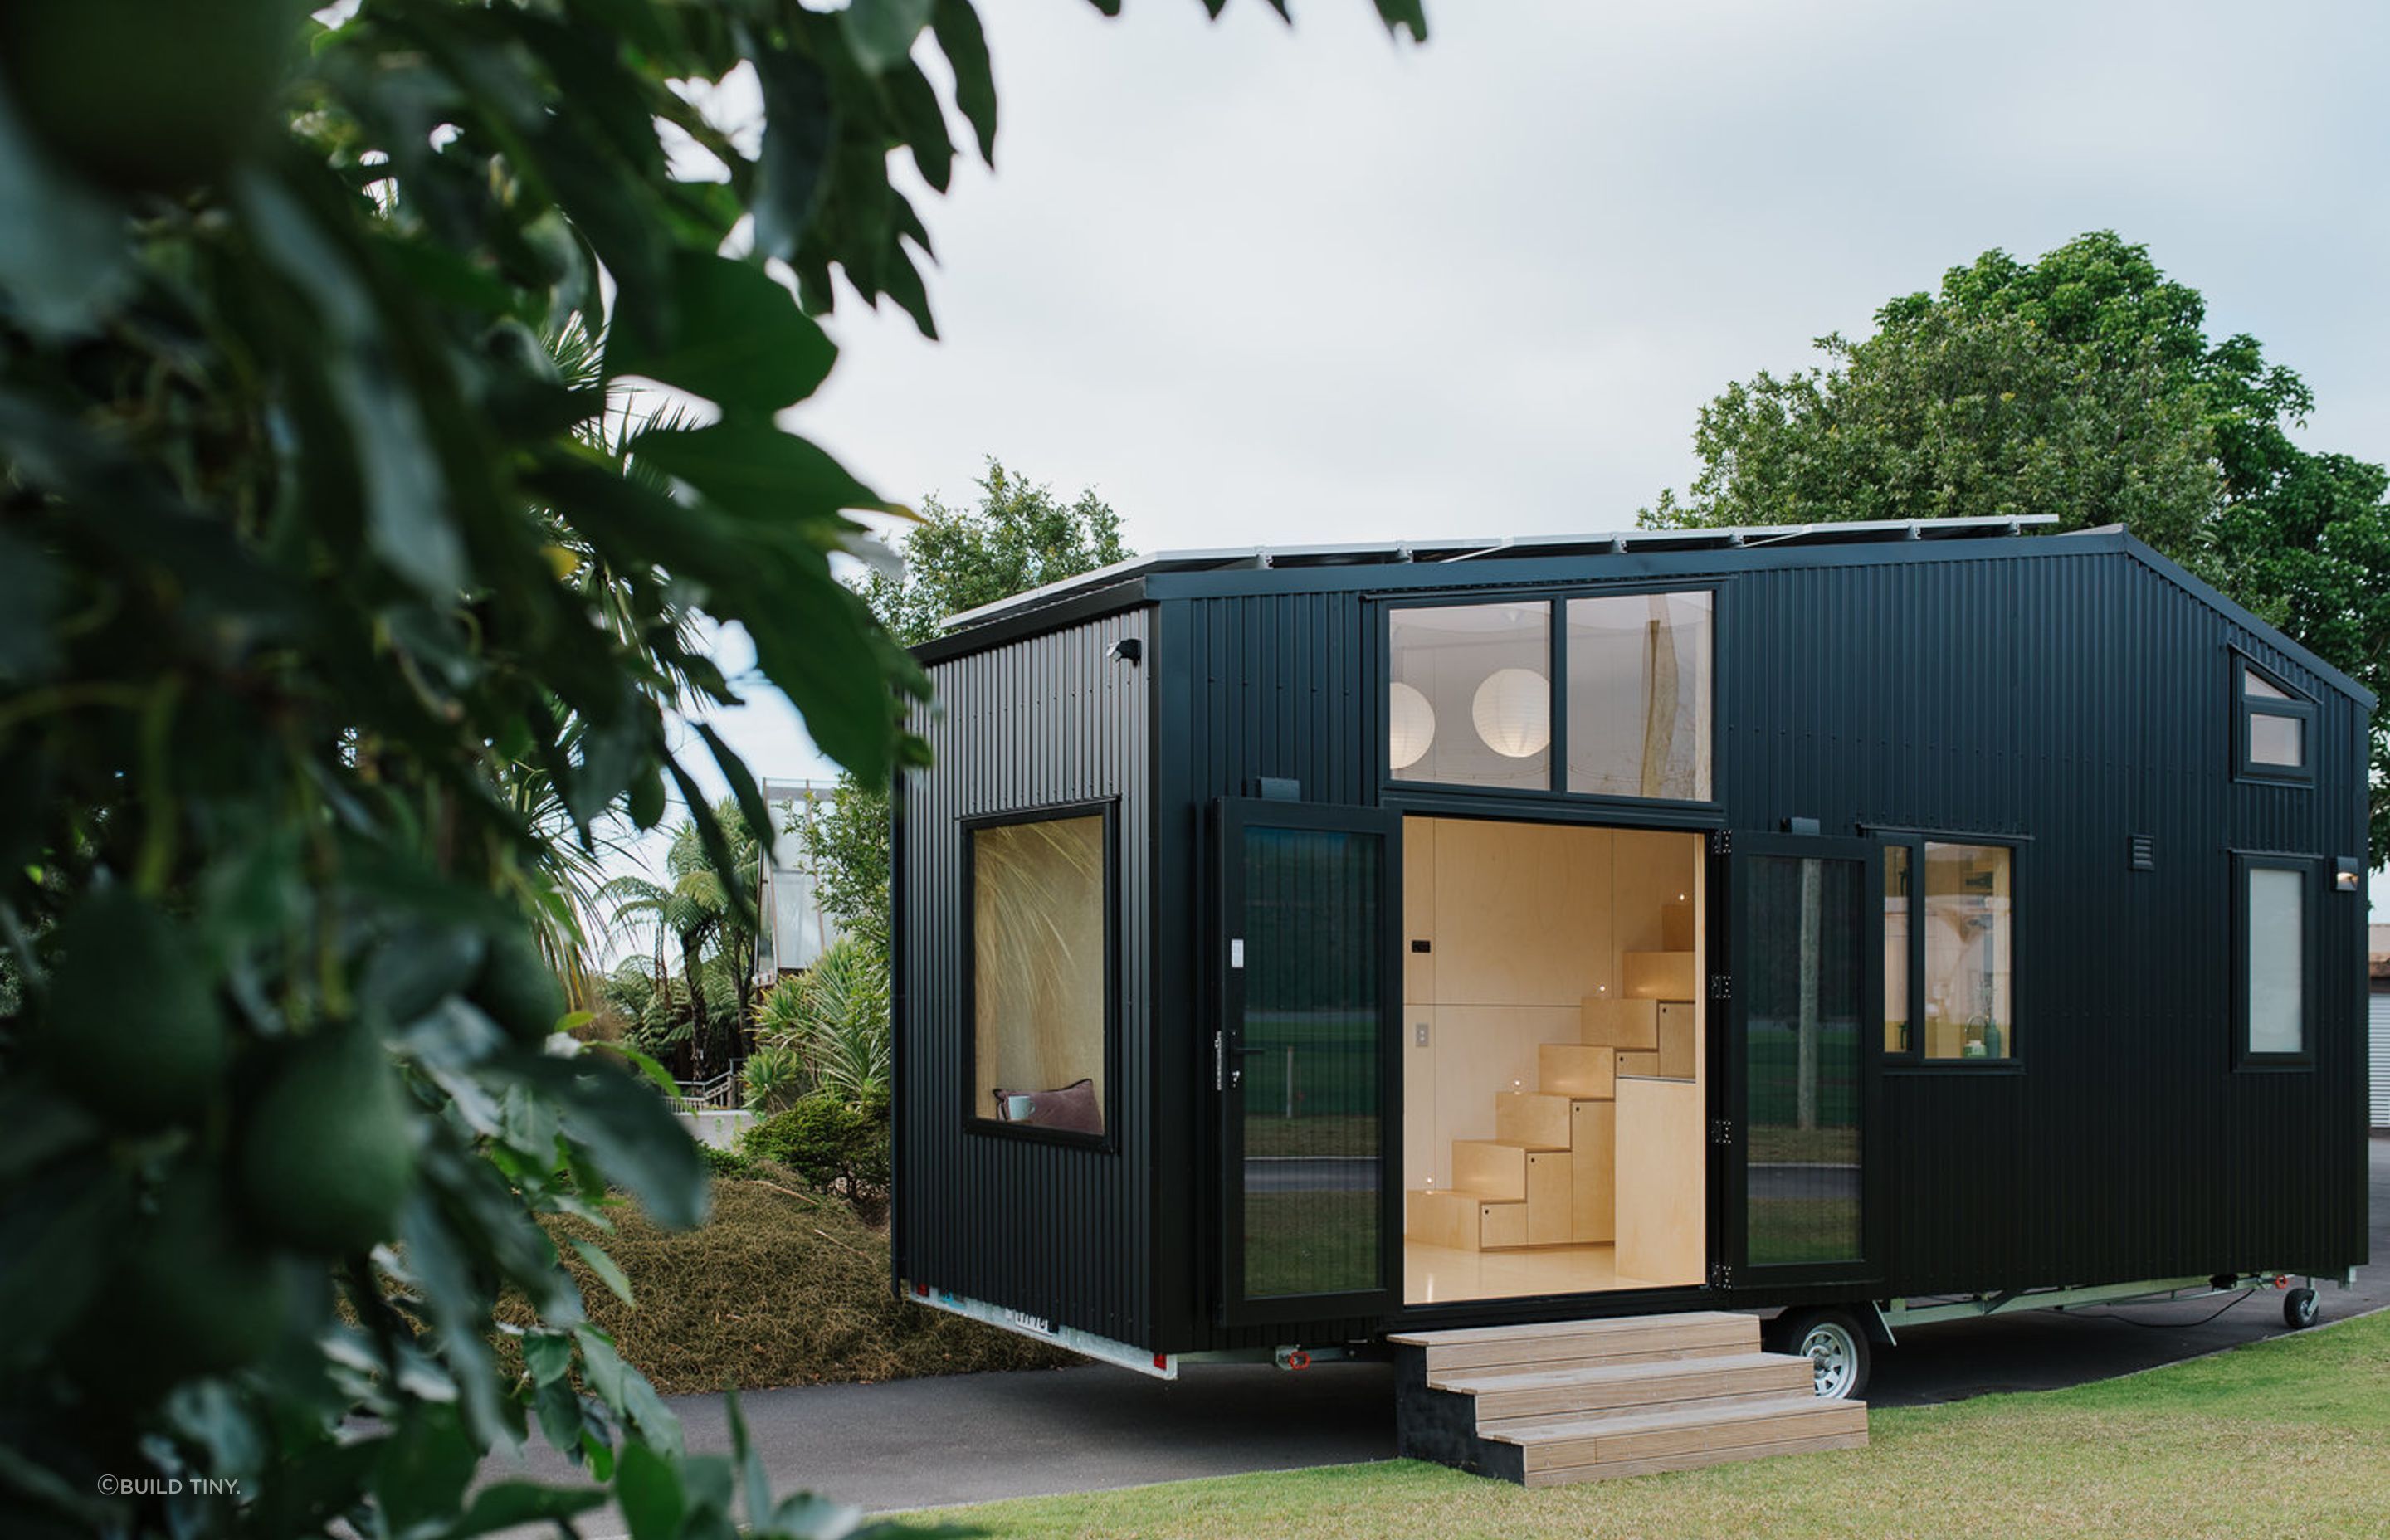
[1411, 726]
[1513, 711]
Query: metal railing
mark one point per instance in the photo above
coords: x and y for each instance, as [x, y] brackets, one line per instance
[718, 1095]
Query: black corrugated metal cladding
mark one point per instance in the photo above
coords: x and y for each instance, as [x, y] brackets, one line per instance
[1053, 1229]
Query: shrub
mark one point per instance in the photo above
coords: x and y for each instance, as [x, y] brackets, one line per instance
[774, 1077]
[836, 1145]
[726, 1162]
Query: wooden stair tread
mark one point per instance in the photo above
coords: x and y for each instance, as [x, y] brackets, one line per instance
[1515, 1143]
[1693, 1459]
[1658, 1372]
[1604, 1326]
[1564, 1427]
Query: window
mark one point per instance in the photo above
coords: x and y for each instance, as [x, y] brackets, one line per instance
[1470, 702]
[1041, 960]
[1895, 949]
[1470, 698]
[2274, 725]
[2271, 954]
[1638, 696]
[1949, 951]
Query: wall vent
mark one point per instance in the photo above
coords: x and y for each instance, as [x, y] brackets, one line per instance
[2144, 853]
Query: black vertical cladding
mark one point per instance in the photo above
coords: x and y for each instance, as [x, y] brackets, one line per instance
[1055, 1230]
[2062, 692]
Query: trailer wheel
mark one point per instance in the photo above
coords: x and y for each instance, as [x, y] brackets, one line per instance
[2299, 1309]
[1836, 1346]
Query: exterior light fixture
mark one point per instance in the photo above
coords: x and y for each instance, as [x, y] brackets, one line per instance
[1411, 726]
[1513, 711]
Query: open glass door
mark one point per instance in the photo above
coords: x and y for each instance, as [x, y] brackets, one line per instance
[1797, 1204]
[1304, 1057]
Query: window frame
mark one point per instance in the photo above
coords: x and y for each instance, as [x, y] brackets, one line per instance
[1913, 1057]
[1705, 813]
[2298, 706]
[985, 1125]
[2311, 895]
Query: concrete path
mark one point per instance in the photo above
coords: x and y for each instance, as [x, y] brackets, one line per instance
[972, 1438]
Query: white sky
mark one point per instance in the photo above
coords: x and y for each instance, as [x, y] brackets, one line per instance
[1259, 287]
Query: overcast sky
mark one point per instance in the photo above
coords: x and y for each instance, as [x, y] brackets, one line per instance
[1257, 284]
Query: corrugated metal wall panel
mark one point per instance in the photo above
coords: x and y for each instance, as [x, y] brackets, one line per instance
[2379, 1009]
[1053, 1230]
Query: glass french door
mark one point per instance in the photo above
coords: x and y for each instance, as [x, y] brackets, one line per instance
[1304, 1055]
[1805, 981]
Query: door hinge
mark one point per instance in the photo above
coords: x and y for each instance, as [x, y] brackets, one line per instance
[1721, 986]
[1721, 1131]
[1721, 1275]
[1721, 841]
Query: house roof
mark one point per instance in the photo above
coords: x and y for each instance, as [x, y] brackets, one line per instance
[1616, 542]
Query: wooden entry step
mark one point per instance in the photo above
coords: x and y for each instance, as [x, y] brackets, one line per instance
[1571, 1400]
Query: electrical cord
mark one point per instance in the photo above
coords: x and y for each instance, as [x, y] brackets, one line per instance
[2108, 1313]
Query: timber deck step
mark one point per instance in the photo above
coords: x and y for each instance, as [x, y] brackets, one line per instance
[1570, 1401]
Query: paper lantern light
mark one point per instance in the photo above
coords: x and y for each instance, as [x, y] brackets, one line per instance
[1411, 726]
[1513, 711]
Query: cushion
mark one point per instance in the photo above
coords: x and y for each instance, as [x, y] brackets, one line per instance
[1071, 1107]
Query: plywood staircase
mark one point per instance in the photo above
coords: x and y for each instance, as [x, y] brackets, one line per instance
[1576, 1400]
[1549, 1174]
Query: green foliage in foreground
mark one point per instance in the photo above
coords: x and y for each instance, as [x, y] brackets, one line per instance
[2085, 386]
[2289, 1436]
[345, 588]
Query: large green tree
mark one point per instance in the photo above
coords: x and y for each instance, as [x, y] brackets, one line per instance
[2085, 386]
[319, 528]
[1018, 536]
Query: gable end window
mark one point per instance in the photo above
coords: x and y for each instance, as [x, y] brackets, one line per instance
[2274, 903]
[2273, 727]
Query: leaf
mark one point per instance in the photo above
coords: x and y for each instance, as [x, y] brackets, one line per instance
[647, 1489]
[407, 514]
[506, 1505]
[635, 1136]
[965, 45]
[548, 1355]
[755, 469]
[1410, 15]
[739, 338]
[923, 123]
[881, 31]
[796, 145]
[63, 263]
[28, 594]
[424, 1467]
[71, 1220]
[459, 1314]
[608, 1271]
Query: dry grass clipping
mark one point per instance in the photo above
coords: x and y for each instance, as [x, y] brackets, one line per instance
[782, 1286]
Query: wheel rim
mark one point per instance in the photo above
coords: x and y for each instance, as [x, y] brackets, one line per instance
[1833, 1358]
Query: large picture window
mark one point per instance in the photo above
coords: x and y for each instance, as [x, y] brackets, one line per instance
[1638, 696]
[1041, 962]
[2273, 956]
[1949, 942]
[1471, 697]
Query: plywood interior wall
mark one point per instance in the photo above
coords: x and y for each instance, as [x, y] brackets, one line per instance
[1523, 923]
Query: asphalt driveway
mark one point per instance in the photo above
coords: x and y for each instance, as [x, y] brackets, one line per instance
[971, 1438]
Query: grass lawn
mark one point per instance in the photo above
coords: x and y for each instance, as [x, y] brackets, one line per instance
[2289, 1436]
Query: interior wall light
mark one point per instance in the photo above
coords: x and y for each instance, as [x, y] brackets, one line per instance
[1411, 726]
[1513, 711]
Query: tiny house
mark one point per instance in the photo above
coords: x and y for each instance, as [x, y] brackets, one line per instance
[1296, 948]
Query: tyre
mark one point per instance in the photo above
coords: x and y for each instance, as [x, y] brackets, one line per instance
[1836, 1346]
[2299, 1309]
